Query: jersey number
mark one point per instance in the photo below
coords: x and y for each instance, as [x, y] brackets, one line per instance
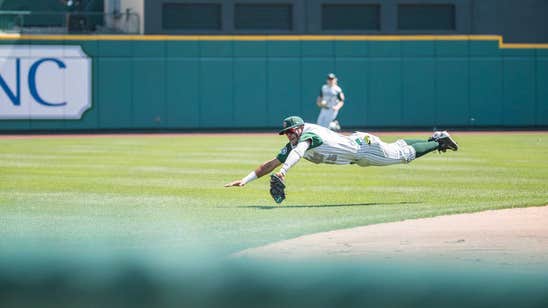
[318, 158]
[331, 159]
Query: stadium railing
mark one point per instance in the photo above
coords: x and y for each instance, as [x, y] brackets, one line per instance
[27, 22]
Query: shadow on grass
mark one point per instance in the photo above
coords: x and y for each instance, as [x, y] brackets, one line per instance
[281, 206]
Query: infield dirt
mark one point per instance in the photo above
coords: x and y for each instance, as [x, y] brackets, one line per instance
[507, 237]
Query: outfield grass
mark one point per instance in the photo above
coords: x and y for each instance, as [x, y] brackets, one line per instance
[135, 192]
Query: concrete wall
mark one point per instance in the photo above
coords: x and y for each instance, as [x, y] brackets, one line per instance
[515, 20]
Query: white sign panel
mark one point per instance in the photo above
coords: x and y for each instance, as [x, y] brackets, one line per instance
[44, 82]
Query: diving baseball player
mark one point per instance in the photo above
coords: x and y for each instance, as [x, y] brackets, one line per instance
[321, 145]
[330, 101]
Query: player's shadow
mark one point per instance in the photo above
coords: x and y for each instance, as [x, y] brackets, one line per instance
[305, 206]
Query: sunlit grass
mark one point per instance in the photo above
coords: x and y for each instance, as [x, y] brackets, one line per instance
[139, 192]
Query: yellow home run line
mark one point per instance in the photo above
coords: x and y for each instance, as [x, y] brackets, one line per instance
[107, 37]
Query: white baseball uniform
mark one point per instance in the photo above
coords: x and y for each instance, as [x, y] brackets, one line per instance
[331, 95]
[359, 148]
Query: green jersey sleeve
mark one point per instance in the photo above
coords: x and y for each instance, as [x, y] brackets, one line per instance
[284, 152]
[315, 140]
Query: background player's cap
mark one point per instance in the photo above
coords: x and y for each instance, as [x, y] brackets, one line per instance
[331, 76]
[291, 122]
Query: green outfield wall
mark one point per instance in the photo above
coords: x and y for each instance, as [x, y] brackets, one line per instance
[254, 82]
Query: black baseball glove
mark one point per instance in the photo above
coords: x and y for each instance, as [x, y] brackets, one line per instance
[277, 188]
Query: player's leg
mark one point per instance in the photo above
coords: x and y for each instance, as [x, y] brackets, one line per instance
[323, 118]
[319, 120]
[333, 115]
[375, 152]
[440, 140]
[333, 122]
[422, 147]
[413, 141]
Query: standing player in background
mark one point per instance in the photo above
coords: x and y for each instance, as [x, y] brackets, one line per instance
[330, 101]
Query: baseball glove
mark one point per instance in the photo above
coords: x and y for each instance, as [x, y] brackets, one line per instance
[277, 188]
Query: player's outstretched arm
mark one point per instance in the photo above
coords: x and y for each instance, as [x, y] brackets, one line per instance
[294, 156]
[263, 169]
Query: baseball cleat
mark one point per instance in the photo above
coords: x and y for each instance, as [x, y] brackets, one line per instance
[437, 135]
[335, 126]
[445, 141]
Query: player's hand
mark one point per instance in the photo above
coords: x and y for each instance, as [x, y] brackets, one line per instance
[281, 176]
[336, 108]
[235, 183]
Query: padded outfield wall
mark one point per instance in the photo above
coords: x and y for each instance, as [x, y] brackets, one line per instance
[214, 82]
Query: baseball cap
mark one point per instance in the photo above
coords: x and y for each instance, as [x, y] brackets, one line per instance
[291, 122]
[331, 76]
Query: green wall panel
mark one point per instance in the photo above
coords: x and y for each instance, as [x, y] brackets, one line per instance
[542, 91]
[317, 49]
[182, 85]
[418, 92]
[519, 91]
[216, 93]
[250, 102]
[417, 48]
[484, 48]
[355, 49]
[215, 49]
[486, 91]
[47, 124]
[452, 93]
[115, 48]
[239, 83]
[149, 106]
[178, 49]
[355, 89]
[452, 48]
[250, 49]
[518, 52]
[114, 101]
[91, 48]
[313, 76]
[385, 49]
[149, 49]
[89, 120]
[385, 95]
[282, 93]
[14, 125]
[283, 48]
